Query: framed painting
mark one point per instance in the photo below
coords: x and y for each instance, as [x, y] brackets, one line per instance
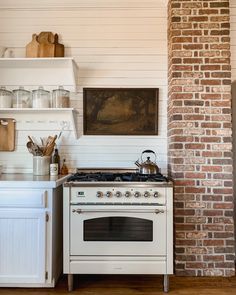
[120, 111]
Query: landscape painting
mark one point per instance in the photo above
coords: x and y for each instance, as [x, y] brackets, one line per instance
[120, 111]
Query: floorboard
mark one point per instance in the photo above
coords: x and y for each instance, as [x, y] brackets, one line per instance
[134, 285]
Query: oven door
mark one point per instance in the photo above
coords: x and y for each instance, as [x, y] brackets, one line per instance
[103, 230]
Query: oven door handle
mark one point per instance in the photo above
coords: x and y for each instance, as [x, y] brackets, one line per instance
[80, 211]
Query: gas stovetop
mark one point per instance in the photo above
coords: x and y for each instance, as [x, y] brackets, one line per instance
[116, 177]
[117, 186]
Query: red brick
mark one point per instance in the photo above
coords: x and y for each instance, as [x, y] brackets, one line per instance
[195, 190]
[212, 213]
[213, 242]
[208, 11]
[184, 212]
[211, 82]
[198, 19]
[187, 243]
[200, 138]
[195, 146]
[195, 175]
[223, 206]
[196, 265]
[212, 227]
[223, 235]
[213, 257]
[212, 168]
[185, 257]
[192, 60]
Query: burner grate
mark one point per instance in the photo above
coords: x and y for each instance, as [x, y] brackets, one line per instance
[117, 177]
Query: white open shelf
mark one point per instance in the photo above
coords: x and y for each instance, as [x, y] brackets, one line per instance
[49, 73]
[60, 119]
[34, 72]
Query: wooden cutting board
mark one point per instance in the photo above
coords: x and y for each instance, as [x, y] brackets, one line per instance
[7, 134]
[59, 48]
[32, 49]
[46, 46]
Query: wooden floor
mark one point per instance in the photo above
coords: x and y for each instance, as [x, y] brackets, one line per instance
[134, 285]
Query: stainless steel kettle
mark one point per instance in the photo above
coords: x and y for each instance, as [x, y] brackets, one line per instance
[147, 167]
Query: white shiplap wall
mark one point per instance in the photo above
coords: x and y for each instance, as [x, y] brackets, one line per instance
[116, 43]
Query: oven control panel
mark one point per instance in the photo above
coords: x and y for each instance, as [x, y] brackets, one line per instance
[112, 195]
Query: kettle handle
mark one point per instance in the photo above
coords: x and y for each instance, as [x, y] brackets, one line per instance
[148, 152]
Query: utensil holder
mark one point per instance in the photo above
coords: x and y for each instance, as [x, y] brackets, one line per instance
[41, 165]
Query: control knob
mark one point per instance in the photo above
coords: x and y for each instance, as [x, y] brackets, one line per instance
[118, 194]
[99, 194]
[108, 194]
[146, 194]
[156, 195]
[127, 194]
[137, 194]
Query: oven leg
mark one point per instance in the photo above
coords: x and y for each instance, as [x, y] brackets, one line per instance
[70, 282]
[166, 283]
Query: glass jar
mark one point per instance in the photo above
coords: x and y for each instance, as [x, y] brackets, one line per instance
[60, 98]
[21, 98]
[40, 98]
[5, 98]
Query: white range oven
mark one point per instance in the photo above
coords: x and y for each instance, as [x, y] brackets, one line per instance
[118, 224]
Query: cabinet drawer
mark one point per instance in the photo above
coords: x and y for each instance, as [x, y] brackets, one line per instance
[33, 198]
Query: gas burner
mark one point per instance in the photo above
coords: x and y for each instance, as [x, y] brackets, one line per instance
[117, 177]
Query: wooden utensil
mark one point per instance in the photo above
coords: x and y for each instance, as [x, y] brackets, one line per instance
[58, 48]
[7, 134]
[50, 146]
[46, 44]
[48, 36]
[32, 49]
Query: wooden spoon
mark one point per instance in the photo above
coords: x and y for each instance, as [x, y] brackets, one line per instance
[50, 147]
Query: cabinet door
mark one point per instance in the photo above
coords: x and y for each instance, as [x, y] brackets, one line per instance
[22, 246]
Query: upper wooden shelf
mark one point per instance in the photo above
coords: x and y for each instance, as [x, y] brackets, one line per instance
[34, 72]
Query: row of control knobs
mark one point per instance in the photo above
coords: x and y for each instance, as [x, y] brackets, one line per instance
[127, 194]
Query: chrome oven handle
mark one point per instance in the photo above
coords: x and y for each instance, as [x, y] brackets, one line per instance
[80, 211]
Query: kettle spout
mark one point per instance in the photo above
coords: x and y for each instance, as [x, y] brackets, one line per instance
[137, 163]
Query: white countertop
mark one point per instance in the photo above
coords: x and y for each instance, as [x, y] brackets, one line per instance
[31, 181]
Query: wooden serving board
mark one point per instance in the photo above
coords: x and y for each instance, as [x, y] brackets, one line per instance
[32, 49]
[46, 46]
[7, 134]
[59, 48]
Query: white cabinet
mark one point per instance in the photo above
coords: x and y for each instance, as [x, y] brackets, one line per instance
[22, 246]
[30, 236]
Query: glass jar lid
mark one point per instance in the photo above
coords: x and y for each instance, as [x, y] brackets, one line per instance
[21, 89]
[40, 90]
[61, 89]
[4, 91]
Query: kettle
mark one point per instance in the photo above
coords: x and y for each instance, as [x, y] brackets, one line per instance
[147, 167]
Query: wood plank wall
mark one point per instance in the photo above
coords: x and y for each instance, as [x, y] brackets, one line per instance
[118, 43]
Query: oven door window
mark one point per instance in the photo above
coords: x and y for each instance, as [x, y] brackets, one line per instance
[122, 229]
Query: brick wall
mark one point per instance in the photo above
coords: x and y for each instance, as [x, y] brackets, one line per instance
[199, 132]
